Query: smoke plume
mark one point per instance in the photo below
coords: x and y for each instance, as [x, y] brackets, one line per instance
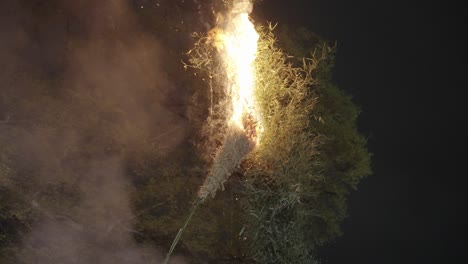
[80, 83]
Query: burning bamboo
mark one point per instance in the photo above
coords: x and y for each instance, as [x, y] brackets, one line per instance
[236, 43]
[237, 46]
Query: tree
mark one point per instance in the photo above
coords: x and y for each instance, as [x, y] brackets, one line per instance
[298, 199]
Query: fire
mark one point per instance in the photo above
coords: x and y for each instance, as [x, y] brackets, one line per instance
[236, 41]
[237, 44]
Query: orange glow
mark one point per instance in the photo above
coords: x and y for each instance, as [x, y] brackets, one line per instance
[238, 41]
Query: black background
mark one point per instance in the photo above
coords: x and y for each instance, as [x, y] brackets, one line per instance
[404, 63]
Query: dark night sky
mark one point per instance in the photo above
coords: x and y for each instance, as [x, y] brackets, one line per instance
[403, 62]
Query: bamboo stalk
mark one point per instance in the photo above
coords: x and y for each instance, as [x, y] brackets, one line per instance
[235, 147]
[181, 230]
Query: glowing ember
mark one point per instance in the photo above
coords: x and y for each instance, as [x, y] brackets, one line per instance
[238, 41]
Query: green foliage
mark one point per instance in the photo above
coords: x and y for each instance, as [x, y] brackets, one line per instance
[298, 42]
[279, 174]
[344, 159]
[345, 151]
[301, 175]
[310, 154]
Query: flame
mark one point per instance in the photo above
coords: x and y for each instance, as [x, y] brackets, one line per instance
[237, 44]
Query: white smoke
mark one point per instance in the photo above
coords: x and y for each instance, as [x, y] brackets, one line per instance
[108, 75]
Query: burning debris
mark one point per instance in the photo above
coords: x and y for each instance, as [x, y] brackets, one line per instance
[236, 42]
[237, 48]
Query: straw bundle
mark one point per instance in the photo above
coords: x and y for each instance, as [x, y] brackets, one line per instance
[228, 157]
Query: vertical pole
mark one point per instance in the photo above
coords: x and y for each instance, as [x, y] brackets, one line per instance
[181, 230]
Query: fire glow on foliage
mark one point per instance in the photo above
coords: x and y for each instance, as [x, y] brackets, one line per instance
[236, 41]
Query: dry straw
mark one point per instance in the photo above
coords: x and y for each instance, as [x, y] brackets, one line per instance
[236, 146]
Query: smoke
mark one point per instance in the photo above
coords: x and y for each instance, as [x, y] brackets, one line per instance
[95, 231]
[80, 83]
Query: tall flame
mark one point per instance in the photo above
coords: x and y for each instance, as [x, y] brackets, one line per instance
[238, 49]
